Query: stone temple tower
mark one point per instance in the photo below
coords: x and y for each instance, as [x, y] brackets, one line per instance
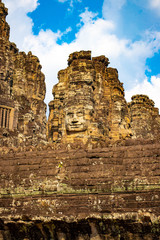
[22, 93]
[145, 119]
[89, 104]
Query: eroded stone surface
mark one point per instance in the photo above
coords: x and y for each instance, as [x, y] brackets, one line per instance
[81, 194]
[22, 92]
[70, 189]
[89, 104]
[89, 229]
[145, 118]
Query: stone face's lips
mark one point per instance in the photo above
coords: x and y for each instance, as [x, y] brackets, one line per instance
[76, 127]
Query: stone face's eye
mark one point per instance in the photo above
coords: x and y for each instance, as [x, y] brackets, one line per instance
[70, 114]
[80, 113]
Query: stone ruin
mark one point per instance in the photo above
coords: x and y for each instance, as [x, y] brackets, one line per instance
[145, 119]
[92, 171]
[22, 92]
[89, 106]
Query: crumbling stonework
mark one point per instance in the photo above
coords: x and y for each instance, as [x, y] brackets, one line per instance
[98, 178]
[89, 104]
[22, 92]
[145, 119]
[105, 193]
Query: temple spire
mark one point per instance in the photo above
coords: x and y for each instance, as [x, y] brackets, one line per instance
[4, 27]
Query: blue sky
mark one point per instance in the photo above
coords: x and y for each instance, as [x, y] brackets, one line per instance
[125, 31]
[60, 15]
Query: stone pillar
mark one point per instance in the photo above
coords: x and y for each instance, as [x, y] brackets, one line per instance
[8, 117]
[0, 117]
[4, 115]
[11, 119]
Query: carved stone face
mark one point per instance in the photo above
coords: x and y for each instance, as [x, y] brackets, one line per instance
[75, 119]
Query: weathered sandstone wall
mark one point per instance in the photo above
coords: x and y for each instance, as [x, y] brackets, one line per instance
[22, 92]
[145, 118]
[89, 104]
[105, 190]
[99, 177]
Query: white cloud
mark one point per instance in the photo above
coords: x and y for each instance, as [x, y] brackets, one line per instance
[70, 2]
[114, 4]
[155, 5]
[87, 16]
[62, 1]
[111, 9]
[25, 5]
[151, 89]
[21, 25]
[97, 35]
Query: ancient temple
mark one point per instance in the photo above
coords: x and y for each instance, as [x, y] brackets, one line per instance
[145, 118]
[89, 103]
[22, 92]
[92, 171]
